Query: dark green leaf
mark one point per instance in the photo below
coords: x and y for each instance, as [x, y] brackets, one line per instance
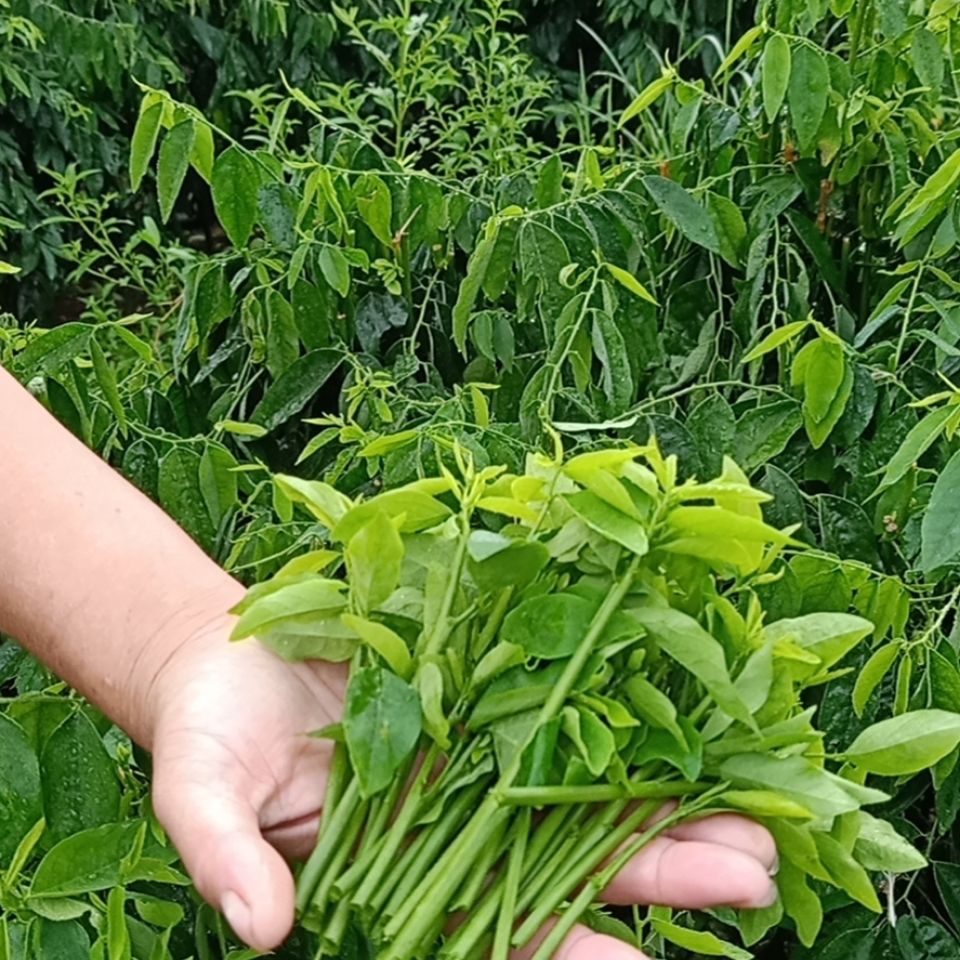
[181, 495]
[172, 165]
[235, 184]
[382, 723]
[776, 74]
[807, 93]
[551, 627]
[764, 432]
[87, 861]
[80, 784]
[296, 388]
[941, 522]
[20, 797]
[684, 211]
[923, 937]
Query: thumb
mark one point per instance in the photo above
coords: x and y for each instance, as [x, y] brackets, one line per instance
[216, 830]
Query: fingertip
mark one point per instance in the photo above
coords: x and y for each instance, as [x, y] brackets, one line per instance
[259, 878]
[692, 875]
[734, 831]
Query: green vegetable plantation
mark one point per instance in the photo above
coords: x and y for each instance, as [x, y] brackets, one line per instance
[585, 377]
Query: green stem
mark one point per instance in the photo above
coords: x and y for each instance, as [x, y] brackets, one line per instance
[508, 905]
[430, 899]
[324, 851]
[560, 693]
[494, 621]
[339, 771]
[334, 931]
[418, 859]
[372, 839]
[478, 878]
[406, 930]
[597, 793]
[907, 317]
[588, 857]
[566, 923]
[397, 834]
[600, 881]
[318, 903]
[547, 851]
[435, 642]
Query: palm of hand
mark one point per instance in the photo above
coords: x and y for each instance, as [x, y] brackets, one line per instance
[238, 785]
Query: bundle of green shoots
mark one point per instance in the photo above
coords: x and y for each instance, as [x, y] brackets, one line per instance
[539, 663]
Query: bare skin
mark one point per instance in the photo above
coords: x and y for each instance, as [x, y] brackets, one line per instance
[100, 584]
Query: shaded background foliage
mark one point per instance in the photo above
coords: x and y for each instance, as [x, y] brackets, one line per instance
[418, 182]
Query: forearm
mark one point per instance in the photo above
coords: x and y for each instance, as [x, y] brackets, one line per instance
[95, 579]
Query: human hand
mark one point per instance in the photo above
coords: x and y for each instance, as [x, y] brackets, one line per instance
[238, 786]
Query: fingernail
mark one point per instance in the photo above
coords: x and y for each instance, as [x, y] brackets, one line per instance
[775, 867]
[237, 913]
[773, 894]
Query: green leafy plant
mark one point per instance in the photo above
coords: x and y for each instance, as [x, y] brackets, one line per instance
[599, 644]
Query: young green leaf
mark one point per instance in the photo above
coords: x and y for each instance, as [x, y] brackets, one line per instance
[785, 334]
[87, 861]
[472, 284]
[385, 642]
[684, 640]
[829, 636]
[730, 226]
[335, 268]
[306, 598]
[879, 847]
[872, 674]
[648, 96]
[655, 707]
[202, 155]
[145, 134]
[631, 283]
[794, 777]
[699, 941]
[609, 522]
[742, 47]
[920, 439]
[845, 872]
[374, 557]
[941, 182]
[906, 744]
[800, 903]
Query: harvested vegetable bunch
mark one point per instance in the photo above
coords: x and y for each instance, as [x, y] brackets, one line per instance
[538, 663]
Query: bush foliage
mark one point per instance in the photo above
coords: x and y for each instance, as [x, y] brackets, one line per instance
[269, 237]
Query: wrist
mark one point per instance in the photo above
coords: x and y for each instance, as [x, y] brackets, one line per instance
[169, 650]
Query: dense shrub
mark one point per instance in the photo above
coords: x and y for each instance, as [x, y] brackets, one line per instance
[734, 229]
